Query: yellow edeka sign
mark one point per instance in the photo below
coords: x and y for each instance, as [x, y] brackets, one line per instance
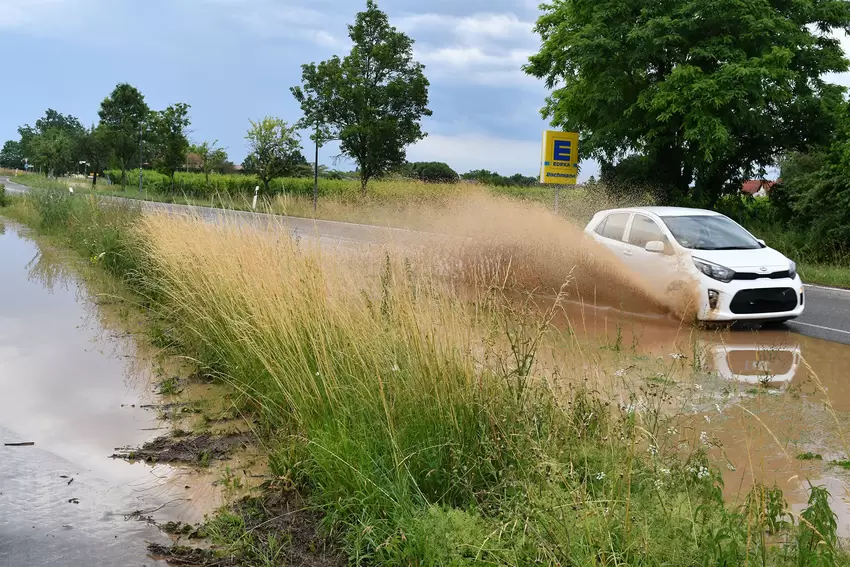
[559, 162]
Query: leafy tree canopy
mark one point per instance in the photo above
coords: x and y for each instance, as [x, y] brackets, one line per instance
[274, 149]
[12, 155]
[710, 91]
[122, 115]
[372, 100]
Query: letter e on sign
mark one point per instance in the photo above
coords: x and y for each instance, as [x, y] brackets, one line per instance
[563, 150]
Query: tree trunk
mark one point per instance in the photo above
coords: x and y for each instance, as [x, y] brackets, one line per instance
[265, 186]
[364, 180]
[123, 177]
[94, 178]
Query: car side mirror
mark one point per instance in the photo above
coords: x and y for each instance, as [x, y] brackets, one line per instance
[762, 242]
[655, 246]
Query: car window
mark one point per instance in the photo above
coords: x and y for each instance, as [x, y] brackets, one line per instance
[600, 228]
[716, 232]
[645, 230]
[614, 226]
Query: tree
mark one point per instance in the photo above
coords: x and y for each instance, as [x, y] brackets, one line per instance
[274, 149]
[122, 114]
[12, 155]
[52, 151]
[41, 151]
[372, 100]
[709, 91]
[430, 172]
[170, 141]
[210, 157]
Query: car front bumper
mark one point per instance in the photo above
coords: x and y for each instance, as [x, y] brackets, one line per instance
[752, 300]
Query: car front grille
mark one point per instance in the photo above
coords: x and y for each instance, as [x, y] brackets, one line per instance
[751, 276]
[769, 300]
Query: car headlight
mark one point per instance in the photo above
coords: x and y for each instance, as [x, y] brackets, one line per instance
[792, 269]
[715, 271]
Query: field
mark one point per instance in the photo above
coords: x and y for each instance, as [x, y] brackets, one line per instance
[411, 204]
[434, 412]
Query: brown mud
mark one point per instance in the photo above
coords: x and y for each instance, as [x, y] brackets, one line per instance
[279, 512]
[194, 449]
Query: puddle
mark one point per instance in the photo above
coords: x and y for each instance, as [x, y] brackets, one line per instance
[74, 388]
[763, 397]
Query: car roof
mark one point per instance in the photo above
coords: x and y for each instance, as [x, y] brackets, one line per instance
[667, 211]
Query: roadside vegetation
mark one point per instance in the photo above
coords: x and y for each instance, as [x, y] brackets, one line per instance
[423, 425]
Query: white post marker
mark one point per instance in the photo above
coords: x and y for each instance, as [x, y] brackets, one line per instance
[256, 192]
[70, 190]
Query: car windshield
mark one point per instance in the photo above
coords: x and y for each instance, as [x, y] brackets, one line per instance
[701, 232]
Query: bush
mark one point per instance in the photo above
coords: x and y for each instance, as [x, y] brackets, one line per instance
[3, 200]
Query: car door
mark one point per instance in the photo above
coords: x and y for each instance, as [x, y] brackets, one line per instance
[660, 268]
[611, 231]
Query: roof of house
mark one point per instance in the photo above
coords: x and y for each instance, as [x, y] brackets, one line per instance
[755, 185]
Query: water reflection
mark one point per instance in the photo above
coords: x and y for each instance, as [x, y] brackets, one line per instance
[736, 358]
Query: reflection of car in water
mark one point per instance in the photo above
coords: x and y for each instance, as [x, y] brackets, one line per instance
[754, 364]
[739, 278]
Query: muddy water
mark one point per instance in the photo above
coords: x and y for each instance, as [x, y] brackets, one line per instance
[73, 389]
[762, 396]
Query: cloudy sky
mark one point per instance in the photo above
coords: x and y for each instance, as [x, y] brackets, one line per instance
[236, 59]
[233, 60]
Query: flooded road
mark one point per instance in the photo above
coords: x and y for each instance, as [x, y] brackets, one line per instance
[769, 406]
[73, 389]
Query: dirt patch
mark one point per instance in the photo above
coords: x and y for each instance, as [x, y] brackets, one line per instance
[180, 555]
[197, 449]
[278, 527]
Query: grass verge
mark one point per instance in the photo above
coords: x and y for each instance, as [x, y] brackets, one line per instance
[421, 424]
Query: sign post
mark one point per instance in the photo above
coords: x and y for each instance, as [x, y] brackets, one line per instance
[559, 160]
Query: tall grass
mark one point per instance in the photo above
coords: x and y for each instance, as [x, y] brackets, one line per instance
[422, 422]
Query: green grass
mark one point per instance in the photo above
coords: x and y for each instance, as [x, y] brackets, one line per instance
[421, 424]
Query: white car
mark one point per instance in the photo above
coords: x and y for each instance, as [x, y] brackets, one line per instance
[739, 277]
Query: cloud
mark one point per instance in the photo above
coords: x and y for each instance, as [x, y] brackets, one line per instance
[485, 48]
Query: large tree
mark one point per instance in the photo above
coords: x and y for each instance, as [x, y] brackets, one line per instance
[12, 155]
[709, 91]
[171, 144]
[52, 151]
[122, 115]
[274, 149]
[40, 149]
[372, 100]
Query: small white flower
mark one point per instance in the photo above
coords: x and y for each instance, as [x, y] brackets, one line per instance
[703, 438]
[665, 472]
[653, 450]
[600, 476]
[717, 406]
[659, 483]
[317, 373]
[702, 473]
[707, 419]
[698, 387]
[395, 367]
[606, 511]
[620, 373]
[677, 356]
[672, 431]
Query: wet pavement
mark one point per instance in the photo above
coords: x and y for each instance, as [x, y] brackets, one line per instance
[68, 385]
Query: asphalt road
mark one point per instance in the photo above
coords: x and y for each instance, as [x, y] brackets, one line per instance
[827, 314]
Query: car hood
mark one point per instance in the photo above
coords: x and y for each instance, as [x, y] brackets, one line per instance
[739, 259]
